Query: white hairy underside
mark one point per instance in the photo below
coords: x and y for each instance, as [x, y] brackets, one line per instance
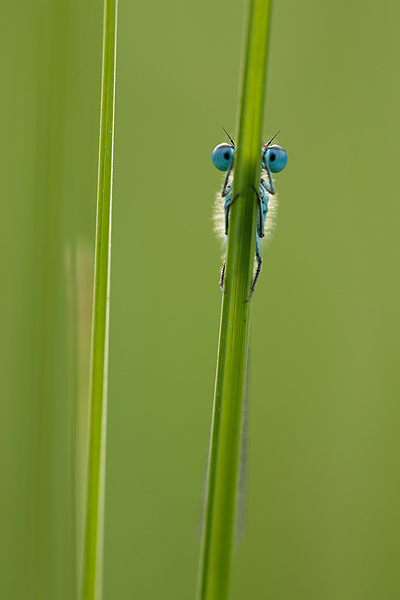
[219, 218]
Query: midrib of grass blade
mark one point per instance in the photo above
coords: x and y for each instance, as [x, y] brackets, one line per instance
[93, 553]
[226, 430]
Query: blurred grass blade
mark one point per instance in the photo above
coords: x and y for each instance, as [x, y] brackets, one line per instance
[93, 554]
[226, 430]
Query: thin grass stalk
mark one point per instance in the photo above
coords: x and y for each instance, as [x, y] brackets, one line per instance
[225, 440]
[93, 553]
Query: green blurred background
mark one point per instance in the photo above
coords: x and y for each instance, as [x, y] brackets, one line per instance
[323, 519]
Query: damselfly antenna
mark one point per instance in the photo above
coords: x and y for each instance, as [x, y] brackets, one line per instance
[272, 139]
[232, 142]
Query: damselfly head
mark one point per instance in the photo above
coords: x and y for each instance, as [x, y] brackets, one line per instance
[275, 157]
[222, 156]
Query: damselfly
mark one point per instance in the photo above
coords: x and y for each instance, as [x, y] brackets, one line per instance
[273, 160]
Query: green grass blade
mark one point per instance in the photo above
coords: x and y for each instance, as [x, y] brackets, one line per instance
[224, 452]
[93, 554]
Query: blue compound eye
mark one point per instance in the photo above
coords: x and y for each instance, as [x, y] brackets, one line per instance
[222, 156]
[276, 158]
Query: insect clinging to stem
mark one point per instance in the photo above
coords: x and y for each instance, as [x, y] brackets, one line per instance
[273, 160]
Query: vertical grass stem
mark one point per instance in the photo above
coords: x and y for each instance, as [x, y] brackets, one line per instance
[93, 552]
[226, 429]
